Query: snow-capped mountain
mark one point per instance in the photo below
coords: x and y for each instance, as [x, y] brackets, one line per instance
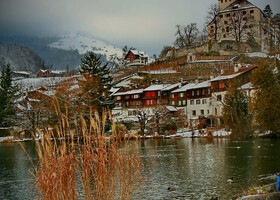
[84, 43]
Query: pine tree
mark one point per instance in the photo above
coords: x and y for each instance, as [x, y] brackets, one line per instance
[8, 94]
[97, 84]
[236, 114]
[266, 104]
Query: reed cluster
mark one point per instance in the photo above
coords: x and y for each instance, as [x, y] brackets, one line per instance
[84, 162]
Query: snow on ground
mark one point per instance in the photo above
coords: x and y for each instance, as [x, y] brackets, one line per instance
[5, 138]
[84, 43]
[188, 133]
[35, 83]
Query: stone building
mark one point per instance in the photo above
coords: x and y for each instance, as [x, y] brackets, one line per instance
[237, 20]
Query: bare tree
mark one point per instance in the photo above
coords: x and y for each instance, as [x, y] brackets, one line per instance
[212, 18]
[142, 120]
[186, 35]
[238, 25]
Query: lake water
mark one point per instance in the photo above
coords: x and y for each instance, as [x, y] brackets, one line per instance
[197, 168]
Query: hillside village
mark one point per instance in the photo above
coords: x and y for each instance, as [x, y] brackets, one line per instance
[186, 85]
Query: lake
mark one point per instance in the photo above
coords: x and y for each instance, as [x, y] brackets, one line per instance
[197, 168]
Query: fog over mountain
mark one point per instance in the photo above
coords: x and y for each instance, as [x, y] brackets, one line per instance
[147, 25]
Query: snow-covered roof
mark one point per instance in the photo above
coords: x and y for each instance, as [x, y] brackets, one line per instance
[158, 87]
[184, 88]
[171, 87]
[203, 84]
[140, 53]
[247, 86]
[171, 108]
[58, 71]
[160, 72]
[21, 72]
[139, 91]
[224, 77]
[239, 6]
[114, 90]
[44, 70]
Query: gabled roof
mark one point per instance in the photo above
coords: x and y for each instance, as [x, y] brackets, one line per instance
[232, 74]
[239, 5]
[142, 54]
[203, 84]
[184, 88]
[129, 92]
[171, 87]
[158, 87]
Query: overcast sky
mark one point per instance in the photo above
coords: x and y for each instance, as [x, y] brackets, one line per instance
[145, 24]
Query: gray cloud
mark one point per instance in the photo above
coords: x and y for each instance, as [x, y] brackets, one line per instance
[145, 24]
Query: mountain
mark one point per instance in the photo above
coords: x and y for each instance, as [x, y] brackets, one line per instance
[60, 51]
[21, 58]
[84, 43]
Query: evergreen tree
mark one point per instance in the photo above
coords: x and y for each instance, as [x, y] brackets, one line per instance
[266, 104]
[8, 96]
[267, 11]
[236, 114]
[97, 83]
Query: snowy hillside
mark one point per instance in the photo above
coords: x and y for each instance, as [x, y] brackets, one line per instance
[84, 43]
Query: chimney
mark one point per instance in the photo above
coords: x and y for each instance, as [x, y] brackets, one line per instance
[211, 77]
[196, 81]
[236, 68]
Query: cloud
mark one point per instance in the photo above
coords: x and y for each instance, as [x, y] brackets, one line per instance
[145, 24]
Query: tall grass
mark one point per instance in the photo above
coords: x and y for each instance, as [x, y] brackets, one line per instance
[91, 166]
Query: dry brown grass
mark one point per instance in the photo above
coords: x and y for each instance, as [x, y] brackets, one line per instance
[89, 167]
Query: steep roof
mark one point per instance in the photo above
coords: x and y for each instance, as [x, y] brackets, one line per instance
[184, 88]
[231, 74]
[239, 5]
[129, 92]
[158, 87]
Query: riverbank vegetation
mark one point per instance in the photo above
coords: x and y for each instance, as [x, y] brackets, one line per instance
[91, 167]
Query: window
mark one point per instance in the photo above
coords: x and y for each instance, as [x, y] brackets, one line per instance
[245, 19]
[204, 101]
[197, 92]
[192, 102]
[153, 94]
[148, 94]
[202, 112]
[127, 97]
[193, 93]
[227, 29]
[221, 16]
[184, 102]
[244, 12]
[181, 94]
[228, 15]
[209, 91]
[212, 27]
[221, 85]
[226, 22]
[198, 101]
[172, 103]
[136, 96]
[251, 26]
[194, 113]
[178, 103]
[150, 102]
[252, 11]
[119, 97]
[223, 30]
[203, 92]
[159, 94]
[138, 103]
[172, 96]
[224, 36]
[208, 112]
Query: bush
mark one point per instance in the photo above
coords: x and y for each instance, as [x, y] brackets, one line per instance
[169, 127]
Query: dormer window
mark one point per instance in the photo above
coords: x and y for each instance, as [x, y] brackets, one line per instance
[236, 6]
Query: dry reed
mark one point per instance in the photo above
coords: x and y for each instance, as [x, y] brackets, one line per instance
[90, 166]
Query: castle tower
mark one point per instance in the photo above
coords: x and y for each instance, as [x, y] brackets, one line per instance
[225, 3]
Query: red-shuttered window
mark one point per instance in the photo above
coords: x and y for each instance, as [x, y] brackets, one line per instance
[148, 94]
[153, 93]
[150, 102]
[221, 85]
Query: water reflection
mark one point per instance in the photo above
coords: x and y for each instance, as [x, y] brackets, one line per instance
[197, 168]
